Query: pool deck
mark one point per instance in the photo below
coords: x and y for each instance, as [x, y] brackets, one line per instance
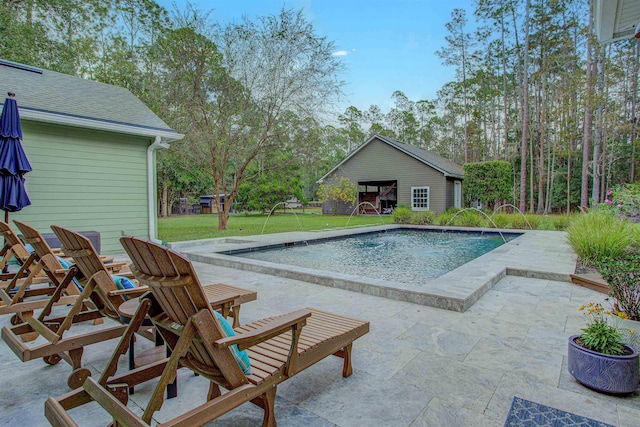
[418, 365]
[537, 254]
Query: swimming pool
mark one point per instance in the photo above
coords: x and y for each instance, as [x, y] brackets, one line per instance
[411, 257]
[457, 289]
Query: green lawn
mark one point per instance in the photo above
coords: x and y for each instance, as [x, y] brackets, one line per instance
[205, 226]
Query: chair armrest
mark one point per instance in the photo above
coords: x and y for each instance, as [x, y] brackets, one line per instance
[114, 265]
[273, 327]
[135, 291]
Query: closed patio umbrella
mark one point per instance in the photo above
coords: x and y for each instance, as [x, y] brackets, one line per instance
[13, 160]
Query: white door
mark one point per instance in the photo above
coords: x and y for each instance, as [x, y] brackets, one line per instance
[457, 194]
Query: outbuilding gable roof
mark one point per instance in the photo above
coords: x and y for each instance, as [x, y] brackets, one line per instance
[42, 93]
[429, 158]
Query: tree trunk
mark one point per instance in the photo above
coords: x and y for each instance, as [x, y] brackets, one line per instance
[164, 211]
[634, 117]
[588, 118]
[541, 159]
[504, 90]
[525, 115]
[597, 146]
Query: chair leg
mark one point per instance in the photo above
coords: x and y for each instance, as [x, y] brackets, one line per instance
[347, 368]
[268, 400]
[235, 313]
[214, 391]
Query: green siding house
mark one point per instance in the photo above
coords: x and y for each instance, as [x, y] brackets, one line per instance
[389, 172]
[92, 148]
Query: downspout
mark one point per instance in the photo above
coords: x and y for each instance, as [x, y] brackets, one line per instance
[157, 144]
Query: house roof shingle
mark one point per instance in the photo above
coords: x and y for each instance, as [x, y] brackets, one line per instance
[61, 94]
[429, 157]
[447, 167]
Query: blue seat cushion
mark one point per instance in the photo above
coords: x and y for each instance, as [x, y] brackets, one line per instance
[66, 264]
[124, 283]
[241, 356]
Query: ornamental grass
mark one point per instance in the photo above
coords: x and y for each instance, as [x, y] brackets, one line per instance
[596, 236]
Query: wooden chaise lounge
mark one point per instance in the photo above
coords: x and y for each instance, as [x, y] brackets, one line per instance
[28, 288]
[278, 348]
[100, 297]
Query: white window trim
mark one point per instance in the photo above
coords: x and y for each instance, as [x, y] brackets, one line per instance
[413, 208]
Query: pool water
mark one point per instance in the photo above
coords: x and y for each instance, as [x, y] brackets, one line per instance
[405, 256]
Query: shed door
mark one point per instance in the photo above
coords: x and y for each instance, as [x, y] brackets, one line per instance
[457, 194]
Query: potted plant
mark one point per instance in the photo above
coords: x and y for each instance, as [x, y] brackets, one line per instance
[598, 358]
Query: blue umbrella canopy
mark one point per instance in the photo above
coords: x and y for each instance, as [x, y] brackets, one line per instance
[13, 160]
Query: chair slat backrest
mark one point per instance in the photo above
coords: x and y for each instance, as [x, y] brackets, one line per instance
[12, 241]
[88, 262]
[42, 249]
[175, 286]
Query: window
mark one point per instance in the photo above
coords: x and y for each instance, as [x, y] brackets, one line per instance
[420, 198]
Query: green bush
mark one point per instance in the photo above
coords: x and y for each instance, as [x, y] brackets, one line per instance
[402, 215]
[519, 222]
[561, 222]
[501, 220]
[534, 221]
[597, 236]
[469, 219]
[625, 199]
[623, 276]
[423, 218]
[444, 218]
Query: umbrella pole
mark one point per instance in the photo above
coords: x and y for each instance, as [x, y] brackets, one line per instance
[5, 269]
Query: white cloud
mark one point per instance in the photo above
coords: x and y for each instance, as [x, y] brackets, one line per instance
[340, 53]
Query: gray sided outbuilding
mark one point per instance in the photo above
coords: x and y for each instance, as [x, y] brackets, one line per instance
[389, 172]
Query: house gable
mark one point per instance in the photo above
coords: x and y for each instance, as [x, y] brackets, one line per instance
[446, 167]
[377, 160]
[92, 149]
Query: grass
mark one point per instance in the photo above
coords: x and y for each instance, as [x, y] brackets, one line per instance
[596, 236]
[205, 226]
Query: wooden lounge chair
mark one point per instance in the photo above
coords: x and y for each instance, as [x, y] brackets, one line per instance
[99, 298]
[278, 347]
[36, 280]
[28, 288]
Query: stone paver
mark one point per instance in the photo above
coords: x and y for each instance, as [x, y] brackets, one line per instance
[418, 366]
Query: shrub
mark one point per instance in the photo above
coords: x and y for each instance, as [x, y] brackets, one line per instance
[444, 218]
[519, 222]
[625, 200]
[402, 215]
[597, 236]
[501, 220]
[534, 221]
[469, 219]
[623, 276]
[423, 218]
[561, 222]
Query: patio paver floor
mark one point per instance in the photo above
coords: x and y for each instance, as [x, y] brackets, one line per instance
[418, 366]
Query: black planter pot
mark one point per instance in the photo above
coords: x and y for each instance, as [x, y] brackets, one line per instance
[603, 372]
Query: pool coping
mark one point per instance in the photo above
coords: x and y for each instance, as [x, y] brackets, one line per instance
[535, 253]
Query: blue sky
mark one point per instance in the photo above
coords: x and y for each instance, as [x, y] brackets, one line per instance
[385, 45]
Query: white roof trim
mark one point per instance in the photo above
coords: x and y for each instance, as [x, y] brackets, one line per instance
[615, 19]
[60, 119]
